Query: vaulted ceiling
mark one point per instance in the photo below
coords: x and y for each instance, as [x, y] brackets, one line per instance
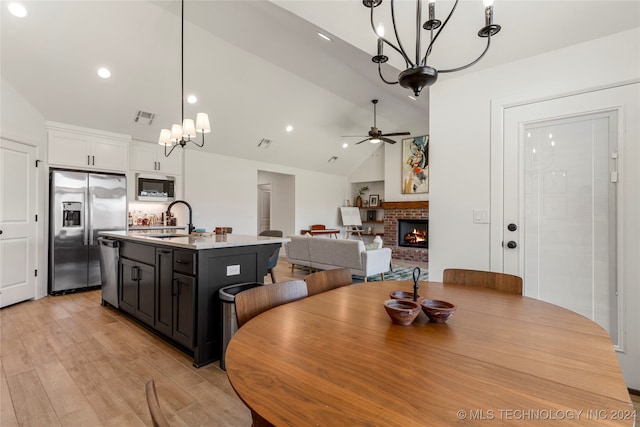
[258, 66]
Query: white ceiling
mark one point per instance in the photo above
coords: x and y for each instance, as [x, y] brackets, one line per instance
[257, 66]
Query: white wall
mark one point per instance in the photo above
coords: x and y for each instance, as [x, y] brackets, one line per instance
[223, 192]
[371, 169]
[460, 155]
[21, 122]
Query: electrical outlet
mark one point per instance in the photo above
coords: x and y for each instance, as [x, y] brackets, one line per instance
[233, 270]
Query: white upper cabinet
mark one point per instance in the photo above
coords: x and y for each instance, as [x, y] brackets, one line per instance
[147, 157]
[72, 146]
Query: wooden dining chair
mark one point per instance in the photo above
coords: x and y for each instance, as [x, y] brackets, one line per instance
[484, 279]
[273, 259]
[254, 301]
[318, 227]
[326, 280]
[157, 417]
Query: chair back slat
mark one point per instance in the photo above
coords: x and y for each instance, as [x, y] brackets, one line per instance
[484, 279]
[157, 417]
[326, 280]
[254, 301]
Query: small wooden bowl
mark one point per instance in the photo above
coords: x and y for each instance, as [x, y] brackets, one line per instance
[404, 295]
[437, 311]
[402, 312]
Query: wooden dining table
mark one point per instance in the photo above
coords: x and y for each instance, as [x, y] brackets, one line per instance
[336, 359]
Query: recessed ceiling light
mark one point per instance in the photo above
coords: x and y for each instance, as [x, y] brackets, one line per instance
[104, 73]
[192, 99]
[324, 36]
[289, 128]
[345, 145]
[17, 9]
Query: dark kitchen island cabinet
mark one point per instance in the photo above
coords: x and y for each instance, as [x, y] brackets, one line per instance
[171, 284]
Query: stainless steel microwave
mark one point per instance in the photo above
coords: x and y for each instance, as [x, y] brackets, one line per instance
[156, 188]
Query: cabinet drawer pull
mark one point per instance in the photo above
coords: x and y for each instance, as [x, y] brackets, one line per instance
[181, 261]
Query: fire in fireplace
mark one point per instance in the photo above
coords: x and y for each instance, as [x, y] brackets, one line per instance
[413, 233]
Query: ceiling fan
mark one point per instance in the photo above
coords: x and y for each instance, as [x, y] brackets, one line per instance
[375, 134]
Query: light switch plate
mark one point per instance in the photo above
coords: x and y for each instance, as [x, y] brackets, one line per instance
[233, 270]
[481, 216]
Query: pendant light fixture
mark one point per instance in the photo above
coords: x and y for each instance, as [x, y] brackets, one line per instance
[418, 74]
[179, 135]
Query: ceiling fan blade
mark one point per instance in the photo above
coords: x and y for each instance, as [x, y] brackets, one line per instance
[390, 141]
[353, 136]
[361, 141]
[396, 134]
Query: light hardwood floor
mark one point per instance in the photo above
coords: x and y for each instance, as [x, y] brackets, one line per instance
[68, 361]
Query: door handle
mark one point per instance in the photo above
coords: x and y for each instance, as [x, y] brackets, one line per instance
[512, 227]
[511, 244]
[135, 273]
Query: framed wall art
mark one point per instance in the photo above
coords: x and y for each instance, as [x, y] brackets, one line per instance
[374, 200]
[415, 165]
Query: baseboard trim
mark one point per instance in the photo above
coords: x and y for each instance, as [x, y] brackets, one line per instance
[634, 391]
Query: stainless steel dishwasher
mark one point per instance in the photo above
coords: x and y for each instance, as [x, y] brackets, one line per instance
[109, 254]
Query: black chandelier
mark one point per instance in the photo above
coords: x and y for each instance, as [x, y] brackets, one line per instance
[418, 74]
[179, 135]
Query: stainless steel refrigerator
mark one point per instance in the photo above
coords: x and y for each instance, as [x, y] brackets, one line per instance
[81, 205]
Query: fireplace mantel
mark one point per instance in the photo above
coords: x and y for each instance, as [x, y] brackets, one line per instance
[418, 204]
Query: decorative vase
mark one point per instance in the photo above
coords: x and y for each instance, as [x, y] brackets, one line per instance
[358, 202]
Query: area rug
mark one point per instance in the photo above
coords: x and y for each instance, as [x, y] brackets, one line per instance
[399, 272]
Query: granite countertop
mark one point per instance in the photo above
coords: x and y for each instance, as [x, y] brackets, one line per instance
[195, 242]
[156, 227]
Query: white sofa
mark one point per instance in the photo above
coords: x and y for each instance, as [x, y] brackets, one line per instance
[326, 254]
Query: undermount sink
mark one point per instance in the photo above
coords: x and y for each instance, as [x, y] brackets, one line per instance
[166, 236]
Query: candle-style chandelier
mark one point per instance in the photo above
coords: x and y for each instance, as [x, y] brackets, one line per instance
[179, 135]
[418, 74]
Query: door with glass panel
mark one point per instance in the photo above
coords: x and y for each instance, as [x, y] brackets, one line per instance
[571, 209]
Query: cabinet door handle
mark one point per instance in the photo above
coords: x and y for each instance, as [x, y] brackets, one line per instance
[133, 273]
[173, 287]
[158, 165]
[88, 160]
[93, 160]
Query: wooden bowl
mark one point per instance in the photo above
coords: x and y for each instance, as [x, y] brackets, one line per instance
[402, 312]
[404, 295]
[437, 311]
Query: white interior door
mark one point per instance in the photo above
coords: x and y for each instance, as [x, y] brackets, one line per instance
[571, 209]
[264, 207]
[18, 186]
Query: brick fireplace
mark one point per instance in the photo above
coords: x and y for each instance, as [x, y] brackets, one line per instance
[395, 211]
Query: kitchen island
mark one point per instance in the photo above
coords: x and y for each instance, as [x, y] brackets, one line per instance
[169, 282]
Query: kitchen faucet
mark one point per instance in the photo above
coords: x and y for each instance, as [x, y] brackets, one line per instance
[168, 214]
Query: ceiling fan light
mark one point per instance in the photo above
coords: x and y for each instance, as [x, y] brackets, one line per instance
[202, 123]
[188, 128]
[375, 140]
